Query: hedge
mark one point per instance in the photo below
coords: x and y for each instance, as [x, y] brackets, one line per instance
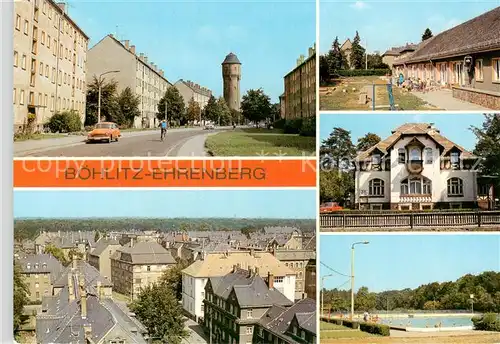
[379, 329]
[487, 322]
[362, 72]
[65, 122]
[352, 324]
[301, 126]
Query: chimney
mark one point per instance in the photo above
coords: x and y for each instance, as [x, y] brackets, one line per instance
[141, 56]
[252, 252]
[126, 43]
[83, 297]
[145, 59]
[59, 233]
[270, 280]
[74, 264]
[132, 49]
[70, 287]
[87, 328]
[62, 6]
[310, 52]
[99, 289]
[249, 271]
[131, 242]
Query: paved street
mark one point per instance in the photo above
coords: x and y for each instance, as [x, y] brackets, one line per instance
[196, 335]
[179, 142]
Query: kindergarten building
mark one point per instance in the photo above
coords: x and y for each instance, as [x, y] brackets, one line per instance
[465, 59]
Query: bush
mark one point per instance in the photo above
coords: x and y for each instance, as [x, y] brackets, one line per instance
[379, 329]
[65, 122]
[351, 324]
[363, 72]
[279, 124]
[308, 127]
[293, 126]
[487, 322]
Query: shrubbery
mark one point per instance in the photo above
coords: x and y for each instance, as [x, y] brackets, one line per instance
[279, 124]
[65, 122]
[351, 324]
[301, 126]
[487, 322]
[379, 329]
[362, 72]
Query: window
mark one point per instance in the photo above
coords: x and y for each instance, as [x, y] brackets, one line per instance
[278, 279]
[249, 314]
[14, 95]
[249, 330]
[148, 268]
[48, 41]
[401, 155]
[46, 100]
[416, 186]
[455, 160]
[40, 70]
[18, 22]
[43, 38]
[415, 154]
[23, 62]
[52, 101]
[16, 58]
[376, 187]
[26, 27]
[21, 102]
[46, 71]
[428, 155]
[455, 187]
[479, 70]
[496, 70]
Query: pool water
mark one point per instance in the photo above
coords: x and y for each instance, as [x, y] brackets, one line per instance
[430, 322]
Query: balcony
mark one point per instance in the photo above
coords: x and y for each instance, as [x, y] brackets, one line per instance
[415, 166]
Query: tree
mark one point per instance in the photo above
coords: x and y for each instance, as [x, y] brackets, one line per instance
[57, 253]
[158, 309]
[324, 69]
[110, 109]
[367, 141]
[211, 110]
[275, 112]
[339, 147]
[427, 34]
[335, 58]
[335, 186]
[173, 278]
[193, 110]
[171, 106]
[21, 292]
[357, 53]
[487, 147]
[375, 62]
[256, 106]
[224, 112]
[129, 103]
[97, 236]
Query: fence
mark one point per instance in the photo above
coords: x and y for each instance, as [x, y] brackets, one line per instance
[346, 220]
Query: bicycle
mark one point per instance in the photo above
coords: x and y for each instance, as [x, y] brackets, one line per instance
[163, 133]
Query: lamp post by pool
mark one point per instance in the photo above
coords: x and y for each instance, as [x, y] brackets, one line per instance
[99, 96]
[472, 302]
[352, 274]
[323, 291]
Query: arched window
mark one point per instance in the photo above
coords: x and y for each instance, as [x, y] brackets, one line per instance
[415, 154]
[416, 186]
[428, 155]
[455, 187]
[376, 187]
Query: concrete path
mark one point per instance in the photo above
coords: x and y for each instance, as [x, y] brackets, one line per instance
[192, 147]
[443, 99]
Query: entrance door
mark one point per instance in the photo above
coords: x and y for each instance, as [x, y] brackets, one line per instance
[459, 73]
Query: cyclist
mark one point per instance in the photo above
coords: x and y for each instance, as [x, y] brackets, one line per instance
[163, 126]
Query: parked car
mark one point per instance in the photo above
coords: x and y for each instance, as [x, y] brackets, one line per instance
[104, 131]
[209, 126]
[329, 207]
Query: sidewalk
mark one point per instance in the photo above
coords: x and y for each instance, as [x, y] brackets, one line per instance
[194, 147]
[443, 99]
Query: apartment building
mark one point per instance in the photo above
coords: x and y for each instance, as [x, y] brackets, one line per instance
[300, 88]
[132, 70]
[40, 271]
[49, 64]
[190, 90]
[297, 261]
[137, 266]
[218, 264]
[100, 256]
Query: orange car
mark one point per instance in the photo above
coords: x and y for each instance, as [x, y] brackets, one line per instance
[104, 131]
[329, 207]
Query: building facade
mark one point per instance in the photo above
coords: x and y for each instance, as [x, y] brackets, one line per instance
[50, 62]
[143, 77]
[297, 261]
[416, 168]
[231, 76]
[190, 90]
[40, 271]
[465, 59]
[136, 267]
[397, 53]
[100, 256]
[195, 276]
[300, 88]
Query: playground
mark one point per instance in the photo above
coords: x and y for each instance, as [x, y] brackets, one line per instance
[369, 93]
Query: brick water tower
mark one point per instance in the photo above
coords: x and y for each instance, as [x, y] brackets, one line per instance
[231, 76]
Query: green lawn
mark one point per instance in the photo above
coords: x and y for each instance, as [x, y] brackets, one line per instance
[21, 137]
[333, 331]
[334, 98]
[329, 326]
[260, 142]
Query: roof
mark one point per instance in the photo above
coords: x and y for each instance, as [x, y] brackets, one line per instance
[144, 252]
[220, 264]
[250, 290]
[90, 274]
[415, 129]
[283, 255]
[61, 12]
[396, 51]
[476, 35]
[103, 244]
[40, 263]
[195, 87]
[231, 59]
[279, 322]
[347, 41]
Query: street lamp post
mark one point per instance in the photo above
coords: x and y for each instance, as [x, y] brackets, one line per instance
[323, 292]
[352, 274]
[99, 96]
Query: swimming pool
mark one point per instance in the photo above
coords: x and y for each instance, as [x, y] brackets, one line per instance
[428, 322]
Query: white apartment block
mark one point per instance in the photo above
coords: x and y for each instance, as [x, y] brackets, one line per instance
[49, 63]
[195, 276]
[416, 168]
[134, 71]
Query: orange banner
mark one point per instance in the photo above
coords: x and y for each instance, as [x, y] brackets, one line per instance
[165, 173]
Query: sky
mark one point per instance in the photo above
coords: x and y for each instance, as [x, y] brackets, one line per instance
[384, 24]
[395, 262]
[455, 127]
[190, 39]
[286, 204]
